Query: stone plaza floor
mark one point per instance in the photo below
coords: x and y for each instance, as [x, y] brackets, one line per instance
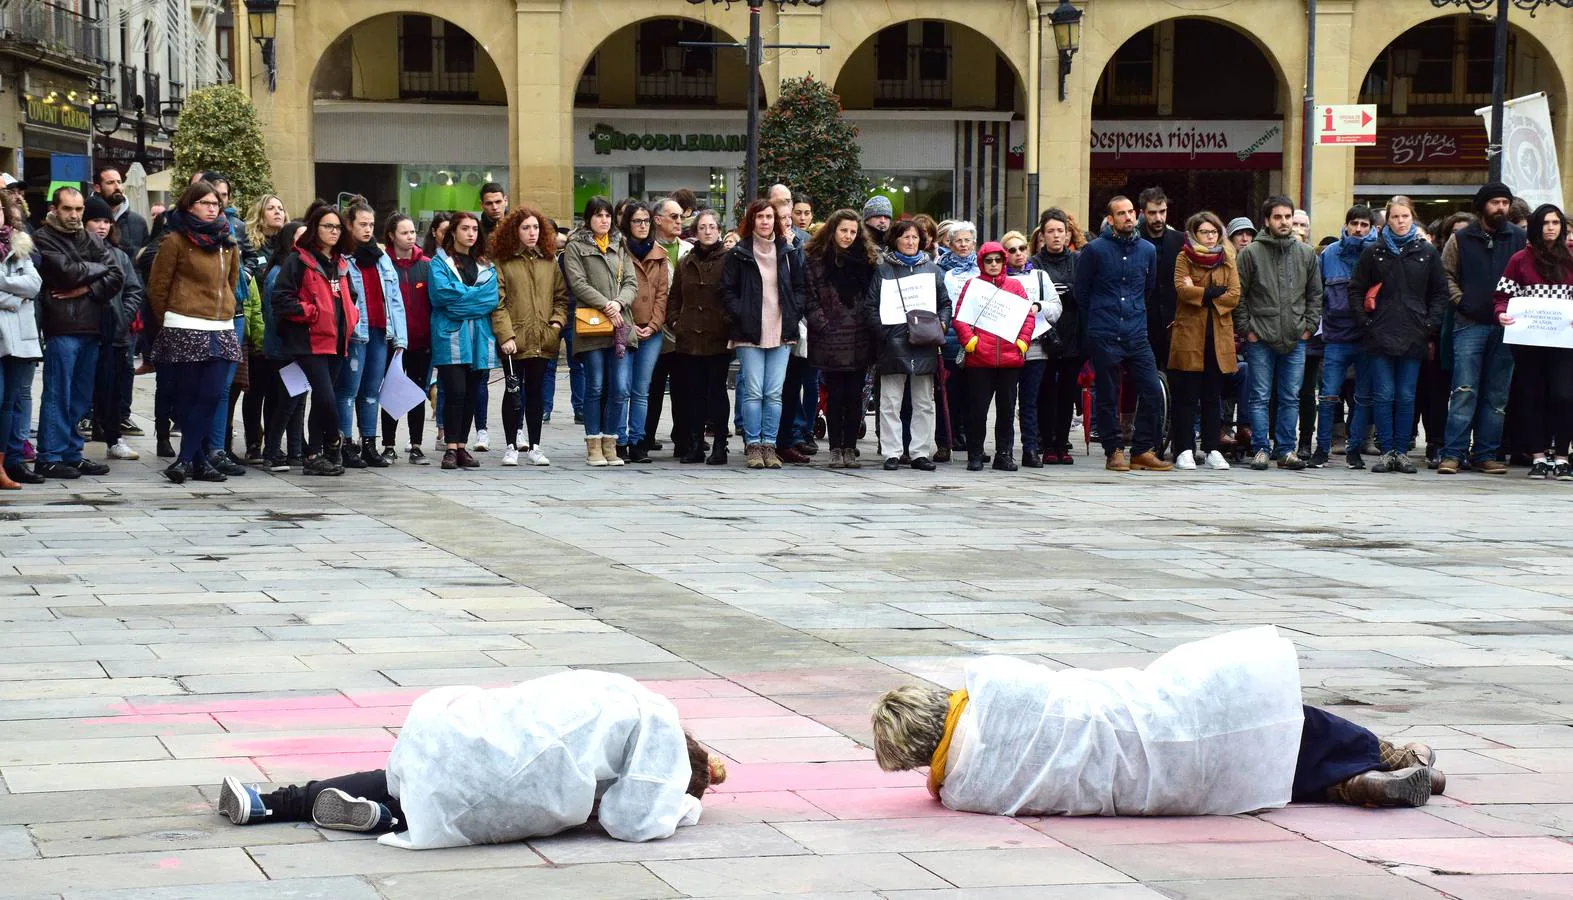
[156, 638]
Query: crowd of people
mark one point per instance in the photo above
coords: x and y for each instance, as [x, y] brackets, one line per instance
[1190, 347]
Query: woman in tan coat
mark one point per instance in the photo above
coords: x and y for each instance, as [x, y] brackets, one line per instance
[528, 324]
[1201, 347]
[654, 275]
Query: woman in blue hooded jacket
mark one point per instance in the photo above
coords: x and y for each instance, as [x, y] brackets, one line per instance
[463, 294]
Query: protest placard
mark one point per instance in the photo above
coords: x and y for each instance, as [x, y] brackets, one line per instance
[1539, 322]
[899, 296]
[987, 308]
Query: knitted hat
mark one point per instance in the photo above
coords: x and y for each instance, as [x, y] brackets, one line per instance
[1239, 224]
[1490, 192]
[94, 207]
[878, 205]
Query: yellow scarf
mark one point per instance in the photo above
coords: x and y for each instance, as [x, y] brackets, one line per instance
[603, 241]
[958, 702]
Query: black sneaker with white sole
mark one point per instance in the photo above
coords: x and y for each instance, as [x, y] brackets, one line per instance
[339, 811]
[241, 803]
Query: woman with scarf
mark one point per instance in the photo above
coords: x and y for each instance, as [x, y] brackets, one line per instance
[993, 364]
[1544, 375]
[20, 349]
[1398, 292]
[699, 320]
[1042, 292]
[376, 281]
[648, 314]
[840, 262]
[1060, 390]
[463, 294]
[955, 253]
[903, 273]
[191, 301]
[763, 285]
[528, 324]
[263, 223]
[1207, 289]
[414, 270]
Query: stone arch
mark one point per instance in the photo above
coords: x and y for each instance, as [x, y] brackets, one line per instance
[848, 27]
[580, 46]
[318, 26]
[1285, 52]
[1017, 100]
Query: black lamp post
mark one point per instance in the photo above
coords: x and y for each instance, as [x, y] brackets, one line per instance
[263, 17]
[108, 118]
[754, 49]
[1499, 63]
[1066, 20]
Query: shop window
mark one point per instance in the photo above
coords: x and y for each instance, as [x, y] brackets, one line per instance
[436, 60]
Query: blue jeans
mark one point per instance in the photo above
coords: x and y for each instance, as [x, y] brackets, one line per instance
[1482, 371]
[218, 431]
[70, 370]
[16, 380]
[1031, 382]
[761, 374]
[605, 389]
[1336, 359]
[575, 378]
[346, 386]
[1288, 370]
[368, 398]
[1393, 381]
[1109, 356]
[808, 409]
[198, 390]
[630, 424]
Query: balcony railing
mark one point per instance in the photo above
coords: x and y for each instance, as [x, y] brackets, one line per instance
[589, 88]
[924, 79]
[437, 68]
[684, 75]
[53, 27]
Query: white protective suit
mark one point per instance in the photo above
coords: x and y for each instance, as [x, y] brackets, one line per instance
[1209, 728]
[475, 766]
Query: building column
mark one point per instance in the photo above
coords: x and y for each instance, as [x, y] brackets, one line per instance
[1337, 82]
[286, 113]
[1064, 162]
[542, 169]
[797, 25]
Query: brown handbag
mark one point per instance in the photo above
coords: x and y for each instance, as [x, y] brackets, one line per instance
[591, 322]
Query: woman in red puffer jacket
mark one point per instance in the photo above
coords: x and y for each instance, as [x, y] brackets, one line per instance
[993, 364]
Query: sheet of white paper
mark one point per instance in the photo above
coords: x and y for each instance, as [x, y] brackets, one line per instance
[1031, 283]
[915, 291]
[399, 393]
[1540, 322]
[987, 308]
[294, 379]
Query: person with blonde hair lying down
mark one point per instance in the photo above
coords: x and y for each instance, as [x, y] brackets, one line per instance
[1213, 727]
[477, 766]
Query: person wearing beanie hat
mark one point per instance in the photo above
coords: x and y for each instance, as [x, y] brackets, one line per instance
[1242, 231]
[112, 377]
[94, 208]
[1474, 259]
[878, 212]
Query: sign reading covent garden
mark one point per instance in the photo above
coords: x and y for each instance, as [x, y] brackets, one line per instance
[59, 114]
[608, 139]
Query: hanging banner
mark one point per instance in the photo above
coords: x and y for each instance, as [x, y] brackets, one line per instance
[1529, 150]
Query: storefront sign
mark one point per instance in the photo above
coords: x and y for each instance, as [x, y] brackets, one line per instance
[59, 114]
[122, 153]
[1424, 148]
[1159, 144]
[607, 139]
[1352, 125]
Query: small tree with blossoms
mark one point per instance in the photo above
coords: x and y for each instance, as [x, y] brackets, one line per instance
[804, 143]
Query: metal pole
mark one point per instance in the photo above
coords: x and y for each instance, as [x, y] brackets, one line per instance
[751, 164]
[1035, 109]
[1308, 115]
[1498, 93]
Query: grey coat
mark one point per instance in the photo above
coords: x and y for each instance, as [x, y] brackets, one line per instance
[1280, 292]
[19, 285]
[595, 278]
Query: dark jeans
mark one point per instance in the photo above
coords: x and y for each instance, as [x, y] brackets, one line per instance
[417, 367]
[1393, 381]
[1332, 750]
[1309, 410]
[1109, 357]
[843, 408]
[1545, 419]
[1031, 386]
[660, 377]
[1431, 398]
[262, 373]
[461, 386]
[699, 396]
[792, 402]
[323, 424]
[951, 405]
[198, 390]
[292, 803]
[525, 404]
[1188, 391]
[110, 384]
[16, 381]
[280, 410]
[999, 387]
[1057, 398]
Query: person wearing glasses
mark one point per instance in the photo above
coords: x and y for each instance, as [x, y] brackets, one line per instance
[1042, 292]
[1201, 347]
[652, 271]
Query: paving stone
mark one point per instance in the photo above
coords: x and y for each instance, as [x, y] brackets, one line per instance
[148, 773]
[292, 889]
[107, 749]
[795, 875]
[914, 835]
[1476, 856]
[1179, 862]
[367, 857]
[15, 843]
[99, 804]
[600, 881]
[1494, 887]
[1336, 887]
[204, 830]
[128, 870]
[1007, 868]
[591, 845]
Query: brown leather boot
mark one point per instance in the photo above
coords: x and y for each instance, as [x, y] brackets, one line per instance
[1405, 787]
[1149, 462]
[1117, 462]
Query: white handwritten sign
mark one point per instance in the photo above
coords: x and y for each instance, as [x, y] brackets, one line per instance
[1539, 322]
[899, 296]
[987, 308]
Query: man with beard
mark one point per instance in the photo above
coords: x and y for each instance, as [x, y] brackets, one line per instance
[1114, 278]
[1168, 242]
[108, 184]
[1474, 259]
[1280, 306]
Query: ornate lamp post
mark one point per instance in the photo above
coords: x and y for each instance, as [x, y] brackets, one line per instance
[263, 17]
[1066, 20]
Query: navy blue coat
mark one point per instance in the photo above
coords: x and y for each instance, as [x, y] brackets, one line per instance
[1114, 277]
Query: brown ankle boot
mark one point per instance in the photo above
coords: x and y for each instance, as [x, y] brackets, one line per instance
[1405, 787]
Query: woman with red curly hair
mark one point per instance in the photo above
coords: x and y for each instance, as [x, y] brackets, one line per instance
[528, 324]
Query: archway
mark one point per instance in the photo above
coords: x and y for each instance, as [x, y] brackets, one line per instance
[390, 96]
[939, 110]
[1427, 83]
[652, 115]
[1162, 118]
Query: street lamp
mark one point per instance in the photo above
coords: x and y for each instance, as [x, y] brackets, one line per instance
[1499, 63]
[1066, 20]
[754, 49]
[108, 119]
[263, 17]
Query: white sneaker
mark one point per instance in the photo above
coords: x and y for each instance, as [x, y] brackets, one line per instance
[122, 450]
[534, 457]
[1186, 460]
[481, 443]
[1215, 460]
[510, 457]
